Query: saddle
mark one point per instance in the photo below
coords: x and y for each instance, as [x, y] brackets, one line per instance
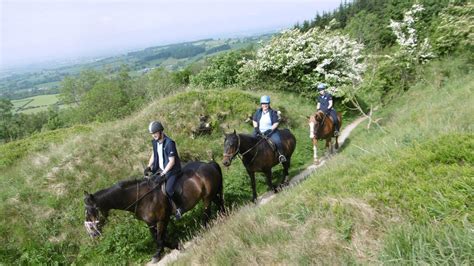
[160, 181]
[270, 142]
[178, 190]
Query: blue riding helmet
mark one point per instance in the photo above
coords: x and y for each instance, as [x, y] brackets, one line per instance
[321, 86]
[265, 99]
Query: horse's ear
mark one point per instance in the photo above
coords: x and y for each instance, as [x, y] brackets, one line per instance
[88, 198]
[235, 132]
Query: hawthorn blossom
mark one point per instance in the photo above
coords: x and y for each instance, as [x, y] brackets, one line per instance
[310, 57]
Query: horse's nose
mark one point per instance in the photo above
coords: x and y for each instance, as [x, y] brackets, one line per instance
[226, 162]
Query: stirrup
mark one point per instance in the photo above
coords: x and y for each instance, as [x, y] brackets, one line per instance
[178, 214]
[282, 158]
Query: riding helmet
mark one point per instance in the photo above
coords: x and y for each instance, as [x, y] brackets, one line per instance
[155, 126]
[321, 86]
[265, 99]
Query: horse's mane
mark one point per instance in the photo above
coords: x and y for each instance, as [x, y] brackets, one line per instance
[119, 185]
[128, 182]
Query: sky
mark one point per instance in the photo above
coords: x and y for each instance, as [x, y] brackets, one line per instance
[34, 31]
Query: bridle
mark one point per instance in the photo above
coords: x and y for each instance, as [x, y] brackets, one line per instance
[232, 156]
[320, 125]
[92, 227]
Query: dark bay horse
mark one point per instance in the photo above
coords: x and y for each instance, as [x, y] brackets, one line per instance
[149, 203]
[323, 129]
[258, 156]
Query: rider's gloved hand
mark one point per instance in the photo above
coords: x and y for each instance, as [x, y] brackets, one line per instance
[257, 131]
[147, 171]
[267, 132]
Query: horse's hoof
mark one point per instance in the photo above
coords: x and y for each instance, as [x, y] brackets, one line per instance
[154, 260]
[316, 162]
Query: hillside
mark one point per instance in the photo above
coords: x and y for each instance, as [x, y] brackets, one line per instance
[44, 189]
[400, 195]
[400, 190]
[403, 195]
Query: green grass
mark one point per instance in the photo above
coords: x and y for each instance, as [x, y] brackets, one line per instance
[400, 197]
[35, 104]
[44, 177]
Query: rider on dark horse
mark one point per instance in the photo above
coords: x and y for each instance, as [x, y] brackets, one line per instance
[165, 161]
[325, 104]
[265, 123]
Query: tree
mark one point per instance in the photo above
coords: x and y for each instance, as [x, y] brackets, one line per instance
[455, 30]
[73, 89]
[105, 101]
[6, 115]
[223, 70]
[303, 59]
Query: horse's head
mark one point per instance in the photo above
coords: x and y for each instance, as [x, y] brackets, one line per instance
[95, 218]
[318, 119]
[231, 147]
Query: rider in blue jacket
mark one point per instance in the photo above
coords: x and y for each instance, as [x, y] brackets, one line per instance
[325, 104]
[265, 122]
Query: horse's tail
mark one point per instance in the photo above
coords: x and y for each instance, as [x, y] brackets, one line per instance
[218, 168]
[220, 188]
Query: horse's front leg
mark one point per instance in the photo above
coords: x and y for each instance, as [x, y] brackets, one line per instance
[286, 167]
[315, 151]
[158, 235]
[328, 147]
[268, 179]
[253, 185]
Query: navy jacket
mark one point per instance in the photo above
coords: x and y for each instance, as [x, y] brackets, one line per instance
[273, 116]
[169, 150]
[324, 102]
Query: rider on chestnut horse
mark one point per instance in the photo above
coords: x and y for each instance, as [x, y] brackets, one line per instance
[325, 104]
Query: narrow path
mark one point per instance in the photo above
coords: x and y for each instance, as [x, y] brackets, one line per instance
[265, 198]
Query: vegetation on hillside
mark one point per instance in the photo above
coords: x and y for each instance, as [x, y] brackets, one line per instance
[43, 189]
[403, 197]
[399, 192]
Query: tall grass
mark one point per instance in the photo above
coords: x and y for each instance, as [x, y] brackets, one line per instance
[403, 196]
[43, 183]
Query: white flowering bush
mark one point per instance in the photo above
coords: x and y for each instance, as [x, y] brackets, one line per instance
[455, 30]
[304, 59]
[411, 51]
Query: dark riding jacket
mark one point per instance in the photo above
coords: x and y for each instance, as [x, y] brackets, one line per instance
[273, 116]
[324, 102]
[169, 150]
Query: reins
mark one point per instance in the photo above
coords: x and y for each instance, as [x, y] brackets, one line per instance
[138, 199]
[237, 150]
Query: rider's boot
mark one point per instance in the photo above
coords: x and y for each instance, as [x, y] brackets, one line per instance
[174, 206]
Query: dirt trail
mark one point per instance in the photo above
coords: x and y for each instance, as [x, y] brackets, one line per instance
[265, 198]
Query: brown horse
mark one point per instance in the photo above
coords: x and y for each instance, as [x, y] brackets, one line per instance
[258, 156]
[149, 203]
[323, 128]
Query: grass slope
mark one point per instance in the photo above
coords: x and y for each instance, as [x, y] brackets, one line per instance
[403, 196]
[43, 177]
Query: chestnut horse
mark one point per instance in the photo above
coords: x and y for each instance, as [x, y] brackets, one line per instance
[323, 128]
[258, 156]
[149, 203]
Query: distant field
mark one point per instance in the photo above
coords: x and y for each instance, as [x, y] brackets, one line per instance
[35, 104]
